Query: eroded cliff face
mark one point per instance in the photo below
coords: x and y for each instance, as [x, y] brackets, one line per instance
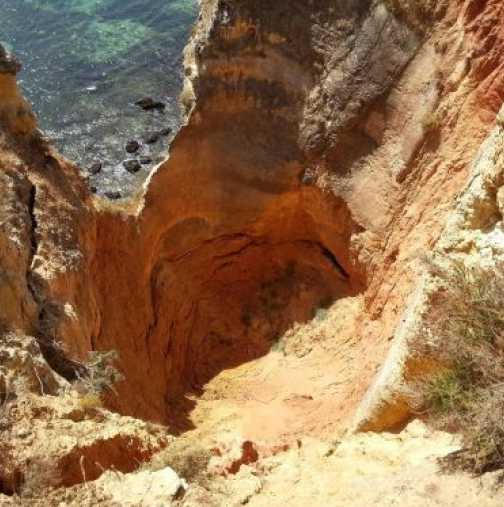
[324, 146]
[47, 314]
[47, 232]
[236, 240]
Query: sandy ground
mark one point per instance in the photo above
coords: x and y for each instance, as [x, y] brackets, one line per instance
[308, 385]
[271, 433]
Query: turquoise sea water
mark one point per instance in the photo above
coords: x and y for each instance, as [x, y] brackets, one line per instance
[85, 62]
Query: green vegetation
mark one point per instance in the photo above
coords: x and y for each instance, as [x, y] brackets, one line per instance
[446, 392]
[466, 394]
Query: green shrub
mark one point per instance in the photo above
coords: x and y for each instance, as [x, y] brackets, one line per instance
[445, 393]
[465, 338]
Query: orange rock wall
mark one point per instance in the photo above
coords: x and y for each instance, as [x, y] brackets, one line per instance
[323, 148]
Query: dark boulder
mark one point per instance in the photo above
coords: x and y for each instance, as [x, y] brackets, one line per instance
[145, 160]
[51, 162]
[132, 166]
[152, 138]
[95, 168]
[8, 64]
[132, 146]
[165, 132]
[149, 104]
[113, 195]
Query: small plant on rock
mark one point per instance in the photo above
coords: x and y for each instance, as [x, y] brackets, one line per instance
[432, 121]
[5, 396]
[90, 401]
[100, 376]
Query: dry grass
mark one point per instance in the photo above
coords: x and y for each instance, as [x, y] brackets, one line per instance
[90, 401]
[420, 14]
[466, 394]
[432, 121]
[101, 374]
[187, 457]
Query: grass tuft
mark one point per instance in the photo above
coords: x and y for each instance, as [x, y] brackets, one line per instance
[465, 339]
[432, 121]
[90, 401]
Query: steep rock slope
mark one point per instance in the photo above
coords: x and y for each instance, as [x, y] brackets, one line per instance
[239, 238]
[308, 171]
[47, 232]
[48, 434]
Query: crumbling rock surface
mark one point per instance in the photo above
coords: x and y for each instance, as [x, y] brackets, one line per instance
[47, 311]
[237, 239]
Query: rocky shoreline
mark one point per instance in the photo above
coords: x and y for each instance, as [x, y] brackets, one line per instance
[140, 157]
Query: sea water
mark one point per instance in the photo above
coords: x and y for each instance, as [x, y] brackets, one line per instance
[85, 63]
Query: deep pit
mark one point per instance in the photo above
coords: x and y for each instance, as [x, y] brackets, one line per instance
[233, 241]
[196, 305]
[252, 223]
[246, 229]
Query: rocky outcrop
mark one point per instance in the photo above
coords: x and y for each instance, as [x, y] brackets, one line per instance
[47, 314]
[46, 230]
[238, 237]
[441, 190]
[472, 236]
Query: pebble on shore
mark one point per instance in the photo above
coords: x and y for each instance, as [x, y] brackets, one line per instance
[149, 104]
[132, 146]
[95, 168]
[132, 166]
